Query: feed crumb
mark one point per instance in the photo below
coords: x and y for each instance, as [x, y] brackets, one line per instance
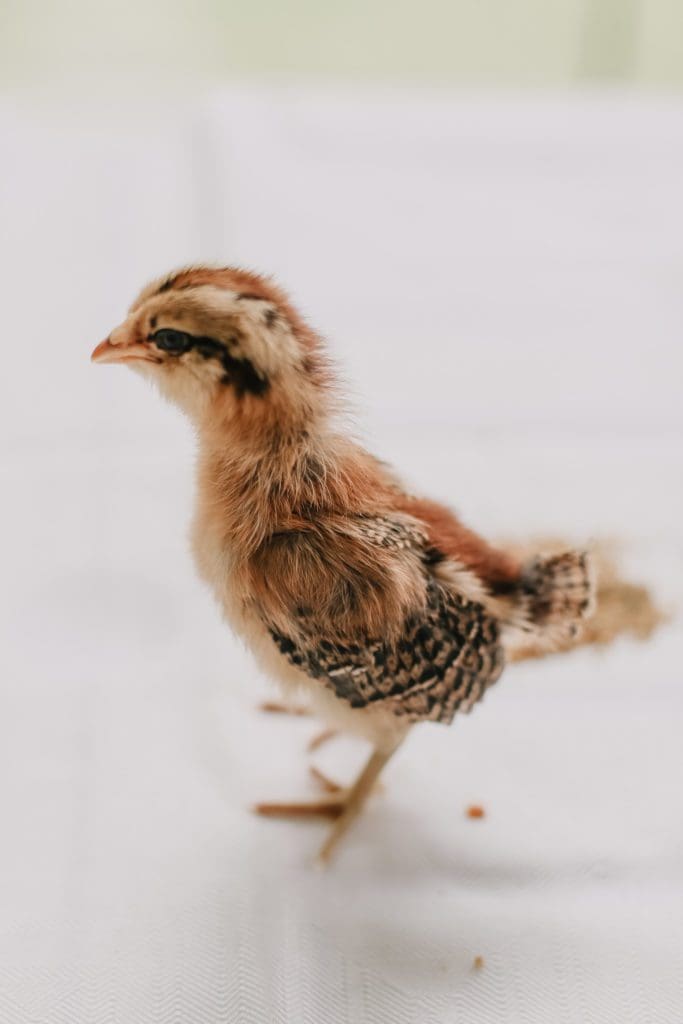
[478, 963]
[475, 811]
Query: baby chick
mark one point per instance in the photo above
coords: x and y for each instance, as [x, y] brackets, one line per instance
[382, 606]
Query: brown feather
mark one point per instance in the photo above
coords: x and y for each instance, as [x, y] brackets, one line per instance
[450, 536]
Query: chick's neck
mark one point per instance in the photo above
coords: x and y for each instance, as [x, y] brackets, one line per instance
[271, 481]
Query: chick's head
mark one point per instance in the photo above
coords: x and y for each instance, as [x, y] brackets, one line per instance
[222, 343]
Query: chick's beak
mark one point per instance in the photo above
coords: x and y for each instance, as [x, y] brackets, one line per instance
[105, 352]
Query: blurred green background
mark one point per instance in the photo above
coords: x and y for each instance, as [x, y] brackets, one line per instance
[477, 42]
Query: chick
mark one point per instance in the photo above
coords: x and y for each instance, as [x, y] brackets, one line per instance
[381, 606]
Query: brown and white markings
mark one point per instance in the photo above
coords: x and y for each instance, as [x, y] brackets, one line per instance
[383, 607]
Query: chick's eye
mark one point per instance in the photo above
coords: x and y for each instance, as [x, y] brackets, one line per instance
[173, 342]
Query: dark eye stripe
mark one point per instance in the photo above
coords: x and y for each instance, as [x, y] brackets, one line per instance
[240, 372]
[173, 342]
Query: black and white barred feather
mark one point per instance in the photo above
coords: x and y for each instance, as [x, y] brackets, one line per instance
[446, 656]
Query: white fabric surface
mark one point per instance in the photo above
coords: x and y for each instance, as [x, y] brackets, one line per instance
[134, 884]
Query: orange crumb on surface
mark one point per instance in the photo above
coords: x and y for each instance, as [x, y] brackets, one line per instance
[478, 963]
[475, 811]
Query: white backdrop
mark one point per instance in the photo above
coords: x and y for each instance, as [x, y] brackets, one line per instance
[501, 281]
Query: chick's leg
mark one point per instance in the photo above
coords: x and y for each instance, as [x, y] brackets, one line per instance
[343, 805]
[279, 707]
[282, 708]
[355, 800]
[320, 738]
[328, 806]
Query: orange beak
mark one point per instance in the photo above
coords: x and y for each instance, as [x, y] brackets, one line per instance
[108, 353]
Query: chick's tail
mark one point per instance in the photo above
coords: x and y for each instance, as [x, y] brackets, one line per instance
[554, 597]
[622, 607]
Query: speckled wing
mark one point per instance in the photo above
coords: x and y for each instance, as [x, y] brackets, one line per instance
[443, 662]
